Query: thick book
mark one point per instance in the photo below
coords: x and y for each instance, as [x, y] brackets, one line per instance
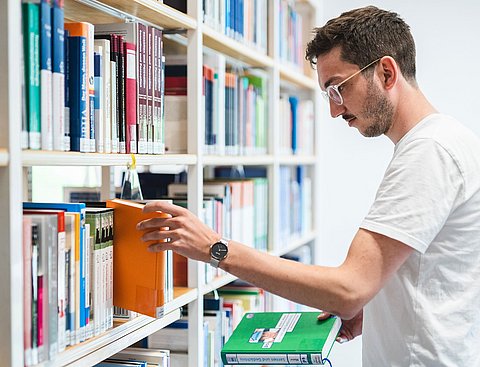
[281, 338]
[139, 276]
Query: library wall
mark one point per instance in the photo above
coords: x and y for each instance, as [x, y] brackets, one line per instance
[446, 35]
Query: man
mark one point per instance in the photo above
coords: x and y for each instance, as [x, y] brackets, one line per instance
[409, 282]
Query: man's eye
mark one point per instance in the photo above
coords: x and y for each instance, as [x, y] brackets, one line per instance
[341, 87]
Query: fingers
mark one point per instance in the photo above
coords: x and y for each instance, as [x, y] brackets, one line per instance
[157, 247]
[163, 206]
[153, 223]
[341, 339]
[323, 315]
[161, 235]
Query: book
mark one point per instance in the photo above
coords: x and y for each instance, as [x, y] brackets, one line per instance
[142, 291]
[58, 76]
[281, 338]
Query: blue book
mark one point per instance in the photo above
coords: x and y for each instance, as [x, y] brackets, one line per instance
[46, 75]
[294, 108]
[74, 208]
[77, 50]
[58, 75]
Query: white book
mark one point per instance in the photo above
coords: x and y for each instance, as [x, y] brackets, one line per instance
[113, 108]
[99, 107]
[106, 98]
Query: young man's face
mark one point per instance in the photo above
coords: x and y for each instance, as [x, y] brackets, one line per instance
[365, 105]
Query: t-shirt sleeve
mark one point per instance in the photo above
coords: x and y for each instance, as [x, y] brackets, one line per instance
[420, 189]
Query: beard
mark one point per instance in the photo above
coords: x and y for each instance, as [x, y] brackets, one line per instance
[377, 109]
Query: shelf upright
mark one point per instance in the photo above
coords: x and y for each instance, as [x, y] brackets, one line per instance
[273, 170]
[11, 275]
[196, 270]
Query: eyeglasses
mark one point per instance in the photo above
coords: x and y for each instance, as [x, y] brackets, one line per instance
[333, 91]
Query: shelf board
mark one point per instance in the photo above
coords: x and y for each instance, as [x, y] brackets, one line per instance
[182, 296]
[218, 282]
[292, 75]
[228, 46]
[47, 158]
[113, 341]
[150, 11]
[3, 157]
[294, 160]
[226, 160]
[294, 243]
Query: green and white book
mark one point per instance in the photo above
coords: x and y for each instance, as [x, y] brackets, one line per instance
[295, 338]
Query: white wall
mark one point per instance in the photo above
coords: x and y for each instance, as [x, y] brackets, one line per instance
[447, 35]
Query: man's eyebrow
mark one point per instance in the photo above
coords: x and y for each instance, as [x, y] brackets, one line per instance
[330, 81]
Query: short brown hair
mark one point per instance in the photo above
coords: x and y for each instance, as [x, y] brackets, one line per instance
[364, 35]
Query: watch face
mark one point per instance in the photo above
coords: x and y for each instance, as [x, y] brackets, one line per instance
[219, 250]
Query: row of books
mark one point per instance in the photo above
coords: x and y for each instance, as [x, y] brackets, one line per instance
[295, 202]
[290, 46]
[73, 276]
[237, 125]
[296, 126]
[68, 290]
[91, 88]
[243, 20]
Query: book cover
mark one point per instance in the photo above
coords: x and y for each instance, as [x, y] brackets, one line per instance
[138, 275]
[281, 338]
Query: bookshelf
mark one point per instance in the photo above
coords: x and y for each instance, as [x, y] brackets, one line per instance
[197, 39]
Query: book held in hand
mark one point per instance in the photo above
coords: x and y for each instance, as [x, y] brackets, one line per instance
[296, 338]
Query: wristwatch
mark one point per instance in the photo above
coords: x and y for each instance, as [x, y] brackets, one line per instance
[218, 252]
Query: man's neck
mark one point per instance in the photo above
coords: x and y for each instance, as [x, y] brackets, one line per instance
[412, 107]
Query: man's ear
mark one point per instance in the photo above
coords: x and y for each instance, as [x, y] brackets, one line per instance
[388, 72]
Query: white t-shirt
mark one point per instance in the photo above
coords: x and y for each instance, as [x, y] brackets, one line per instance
[428, 313]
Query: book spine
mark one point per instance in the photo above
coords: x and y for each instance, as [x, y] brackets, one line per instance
[66, 137]
[142, 124]
[91, 88]
[78, 93]
[27, 289]
[130, 97]
[121, 94]
[58, 76]
[98, 100]
[46, 74]
[113, 106]
[149, 85]
[35, 304]
[31, 43]
[293, 358]
[61, 283]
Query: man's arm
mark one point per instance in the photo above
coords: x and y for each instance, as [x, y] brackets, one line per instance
[343, 290]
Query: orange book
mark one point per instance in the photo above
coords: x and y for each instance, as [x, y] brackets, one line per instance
[139, 276]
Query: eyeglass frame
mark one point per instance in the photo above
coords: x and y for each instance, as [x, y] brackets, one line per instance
[335, 87]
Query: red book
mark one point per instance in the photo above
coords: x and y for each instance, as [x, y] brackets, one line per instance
[131, 97]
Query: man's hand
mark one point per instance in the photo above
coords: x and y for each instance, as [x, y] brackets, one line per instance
[350, 328]
[185, 233]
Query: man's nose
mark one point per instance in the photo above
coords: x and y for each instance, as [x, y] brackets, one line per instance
[335, 109]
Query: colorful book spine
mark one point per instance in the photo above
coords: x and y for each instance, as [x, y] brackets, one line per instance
[142, 72]
[46, 74]
[66, 113]
[130, 97]
[31, 50]
[98, 99]
[58, 76]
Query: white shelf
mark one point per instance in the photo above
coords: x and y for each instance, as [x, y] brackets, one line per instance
[3, 157]
[47, 158]
[218, 282]
[295, 160]
[293, 75]
[228, 46]
[249, 160]
[182, 296]
[294, 243]
[149, 11]
[113, 341]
